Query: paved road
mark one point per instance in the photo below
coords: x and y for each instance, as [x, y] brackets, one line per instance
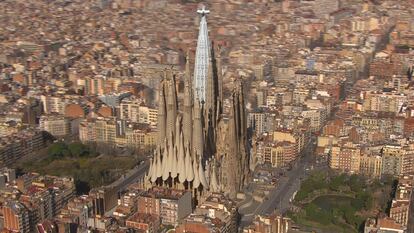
[130, 177]
[279, 197]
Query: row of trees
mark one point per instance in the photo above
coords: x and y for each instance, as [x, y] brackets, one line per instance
[73, 150]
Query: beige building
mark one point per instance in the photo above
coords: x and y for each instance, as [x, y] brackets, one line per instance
[105, 131]
[327, 141]
[397, 160]
[100, 130]
[345, 158]
[384, 102]
[57, 125]
[217, 213]
[22, 143]
[317, 118]
[401, 204]
[115, 132]
[87, 131]
[371, 165]
[272, 223]
[135, 111]
[53, 104]
[297, 138]
[147, 115]
[140, 137]
[281, 153]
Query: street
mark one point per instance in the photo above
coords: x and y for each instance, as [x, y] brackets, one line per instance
[130, 177]
[279, 198]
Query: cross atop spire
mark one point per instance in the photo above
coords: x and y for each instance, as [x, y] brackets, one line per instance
[203, 11]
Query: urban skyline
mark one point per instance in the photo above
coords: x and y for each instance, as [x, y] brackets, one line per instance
[227, 116]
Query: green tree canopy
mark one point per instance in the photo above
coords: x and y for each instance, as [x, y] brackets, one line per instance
[78, 149]
[58, 150]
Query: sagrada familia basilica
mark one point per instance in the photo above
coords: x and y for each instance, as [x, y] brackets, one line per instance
[200, 148]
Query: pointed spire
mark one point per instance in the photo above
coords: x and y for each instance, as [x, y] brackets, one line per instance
[196, 181]
[219, 73]
[162, 113]
[154, 171]
[172, 161]
[202, 57]
[202, 175]
[165, 158]
[158, 165]
[181, 160]
[211, 84]
[187, 69]
[172, 108]
[214, 187]
[210, 93]
[188, 167]
[198, 134]
[188, 113]
[207, 170]
[149, 174]
[242, 109]
[174, 156]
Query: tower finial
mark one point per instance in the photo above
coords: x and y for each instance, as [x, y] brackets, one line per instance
[203, 11]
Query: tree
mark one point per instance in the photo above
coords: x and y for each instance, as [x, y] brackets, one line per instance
[349, 215]
[58, 150]
[365, 200]
[337, 182]
[78, 149]
[355, 183]
[358, 203]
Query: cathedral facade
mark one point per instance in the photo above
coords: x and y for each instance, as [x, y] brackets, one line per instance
[199, 147]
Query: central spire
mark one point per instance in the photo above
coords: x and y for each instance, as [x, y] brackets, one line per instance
[202, 57]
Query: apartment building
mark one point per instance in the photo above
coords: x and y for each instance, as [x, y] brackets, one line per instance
[216, 213]
[17, 145]
[117, 132]
[397, 160]
[269, 223]
[56, 125]
[345, 158]
[170, 205]
[371, 165]
[16, 217]
[41, 198]
[143, 222]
